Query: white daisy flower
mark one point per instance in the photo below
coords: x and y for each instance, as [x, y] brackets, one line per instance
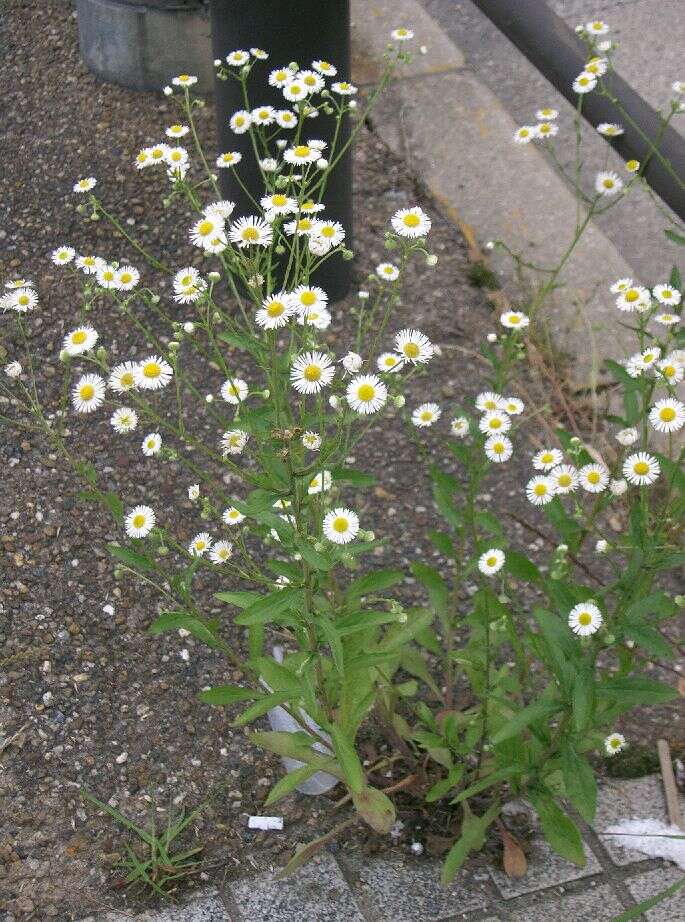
[494, 422]
[177, 158]
[319, 318]
[614, 743]
[650, 357]
[498, 448]
[627, 436]
[240, 121]
[610, 129]
[670, 370]
[313, 81]
[200, 544]
[585, 619]
[426, 414]
[124, 377]
[547, 114]
[489, 400]
[259, 53]
[234, 441]
[332, 232]
[152, 443]
[411, 222]
[237, 58]
[525, 134]
[20, 300]
[234, 390]
[13, 369]
[512, 406]
[547, 458]
[413, 346]
[491, 561]
[279, 77]
[88, 393]
[667, 320]
[144, 158]
[341, 525]
[460, 427]
[666, 294]
[546, 130]
[89, 264]
[389, 362]
[221, 551]
[194, 491]
[79, 340]
[155, 372]
[633, 298]
[176, 131]
[311, 207]
[514, 320]
[597, 27]
[320, 483]
[294, 90]
[278, 203]
[185, 80]
[251, 231]
[85, 185]
[641, 469]
[593, 477]
[324, 68]
[620, 286]
[206, 230]
[219, 211]
[127, 278]
[228, 158]
[343, 88]
[311, 440]
[585, 82]
[124, 420]
[352, 362]
[62, 255]
[311, 371]
[565, 478]
[597, 66]
[667, 415]
[18, 283]
[608, 183]
[232, 516]
[306, 297]
[139, 522]
[540, 490]
[286, 118]
[158, 153]
[301, 154]
[106, 276]
[366, 394]
[401, 35]
[301, 227]
[274, 312]
[387, 271]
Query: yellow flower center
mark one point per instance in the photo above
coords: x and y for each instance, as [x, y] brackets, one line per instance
[127, 379]
[302, 150]
[250, 233]
[79, 337]
[668, 371]
[608, 183]
[411, 350]
[593, 477]
[491, 561]
[125, 278]
[263, 113]
[327, 231]
[108, 275]
[23, 300]
[495, 423]
[667, 414]
[412, 220]
[641, 468]
[426, 416]
[308, 298]
[205, 227]
[157, 153]
[87, 392]
[279, 199]
[183, 77]
[275, 309]
[312, 373]
[540, 489]
[632, 295]
[498, 448]
[564, 480]
[240, 121]
[281, 74]
[366, 392]
[340, 524]
[304, 224]
[142, 157]
[667, 293]
[514, 318]
[138, 520]
[585, 618]
[324, 65]
[310, 80]
[152, 370]
[295, 89]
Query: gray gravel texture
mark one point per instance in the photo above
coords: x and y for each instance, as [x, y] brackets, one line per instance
[102, 705]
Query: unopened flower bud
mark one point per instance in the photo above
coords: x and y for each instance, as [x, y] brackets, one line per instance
[209, 398]
[362, 295]
[280, 249]
[431, 259]
[168, 91]
[399, 401]
[101, 353]
[214, 276]
[321, 163]
[492, 337]
[266, 394]
[64, 355]
[352, 104]
[189, 327]
[490, 245]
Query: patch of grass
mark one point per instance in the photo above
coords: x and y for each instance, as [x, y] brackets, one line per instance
[482, 276]
[634, 762]
[161, 866]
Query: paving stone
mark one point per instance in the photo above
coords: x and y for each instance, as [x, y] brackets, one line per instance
[207, 907]
[646, 885]
[372, 23]
[638, 798]
[404, 890]
[545, 869]
[316, 893]
[598, 903]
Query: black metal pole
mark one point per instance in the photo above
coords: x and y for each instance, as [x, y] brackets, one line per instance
[301, 31]
[558, 53]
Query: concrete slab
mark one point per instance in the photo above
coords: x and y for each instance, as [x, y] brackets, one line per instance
[638, 798]
[405, 890]
[646, 885]
[545, 869]
[316, 893]
[598, 903]
[206, 907]
[372, 23]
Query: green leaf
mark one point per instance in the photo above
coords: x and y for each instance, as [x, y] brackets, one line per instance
[538, 710]
[288, 783]
[444, 487]
[676, 280]
[375, 808]
[228, 694]
[559, 829]
[296, 746]
[415, 624]
[332, 638]
[675, 237]
[350, 475]
[373, 582]
[637, 690]
[580, 783]
[348, 759]
[522, 568]
[268, 607]
[314, 558]
[501, 774]
[438, 590]
[443, 787]
[472, 837]
[638, 912]
[132, 559]
[173, 620]
[239, 598]
[647, 637]
[582, 699]
[443, 543]
[278, 676]
[260, 707]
